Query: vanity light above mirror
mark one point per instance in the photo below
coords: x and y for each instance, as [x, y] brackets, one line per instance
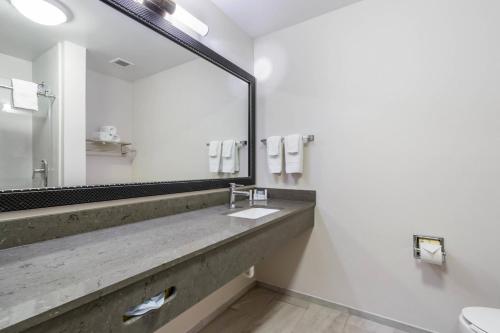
[176, 15]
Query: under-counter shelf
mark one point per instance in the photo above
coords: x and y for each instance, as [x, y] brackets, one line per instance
[102, 147]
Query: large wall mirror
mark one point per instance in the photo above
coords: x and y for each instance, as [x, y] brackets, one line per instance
[91, 113]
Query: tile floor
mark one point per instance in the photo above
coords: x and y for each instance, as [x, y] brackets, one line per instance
[264, 311]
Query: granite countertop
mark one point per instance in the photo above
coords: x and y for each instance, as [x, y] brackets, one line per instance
[62, 274]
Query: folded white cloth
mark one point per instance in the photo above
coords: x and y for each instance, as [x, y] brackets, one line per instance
[228, 148]
[214, 148]
[294, 153]
[25, 94]
[101, 136]
[150, 304]
[273, 145]
[275, 154]
[230, 156]
[214, 154]
[293, 142]
[112, 130]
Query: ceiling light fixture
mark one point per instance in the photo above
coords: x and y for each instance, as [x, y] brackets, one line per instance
[46, 12]
[176, 15]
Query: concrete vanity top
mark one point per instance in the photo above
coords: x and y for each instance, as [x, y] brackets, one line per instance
[59, 275]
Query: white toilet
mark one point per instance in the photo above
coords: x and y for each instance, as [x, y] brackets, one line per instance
[480, 320]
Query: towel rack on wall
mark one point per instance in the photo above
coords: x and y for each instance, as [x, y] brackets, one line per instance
[45, 93]
[242, 143]
[102, 147]
[305, 139]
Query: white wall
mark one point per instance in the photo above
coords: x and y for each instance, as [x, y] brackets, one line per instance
[15, 128]
[46, 122]
[109, 102]
[403, 99]
[73, 76]
[224, 36]
[177, 111]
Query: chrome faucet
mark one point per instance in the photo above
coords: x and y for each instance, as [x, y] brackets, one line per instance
[233, 193]
[44, 171]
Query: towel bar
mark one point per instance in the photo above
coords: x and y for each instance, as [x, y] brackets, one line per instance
[241, 143]
[41, 85]
[305, 138]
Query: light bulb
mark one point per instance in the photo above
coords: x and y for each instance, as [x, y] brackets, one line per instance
[185, 18]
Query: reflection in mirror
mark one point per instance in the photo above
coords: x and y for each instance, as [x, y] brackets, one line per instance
[82, 104]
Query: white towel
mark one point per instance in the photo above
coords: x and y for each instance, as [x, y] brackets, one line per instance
[214, 148]
[273, 145]
[292, 143]
[275, 154]
[227, 148]
[230, 156]
[24, 94]
[214, 154]
[294, 153]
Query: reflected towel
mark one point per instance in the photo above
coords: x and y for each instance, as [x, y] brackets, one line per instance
[292, 143]
[214, 154]
[294, 154]
[230, 156]
[228, 148]
[275, 154]
[25, 94]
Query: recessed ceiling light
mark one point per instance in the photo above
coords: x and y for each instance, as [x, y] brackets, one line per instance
[46, 12]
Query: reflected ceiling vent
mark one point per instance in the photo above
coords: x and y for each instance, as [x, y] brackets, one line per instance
[121, 62]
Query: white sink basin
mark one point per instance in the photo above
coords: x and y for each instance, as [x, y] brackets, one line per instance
[254, 213]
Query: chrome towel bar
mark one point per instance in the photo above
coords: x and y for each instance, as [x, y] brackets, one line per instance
[241, 143]
[305, 138]
[45, 93]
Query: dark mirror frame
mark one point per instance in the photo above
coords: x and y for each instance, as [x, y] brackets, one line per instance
[13, 200]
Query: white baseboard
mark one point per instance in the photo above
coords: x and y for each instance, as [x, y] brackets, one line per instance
[341, 307]
[309, 298]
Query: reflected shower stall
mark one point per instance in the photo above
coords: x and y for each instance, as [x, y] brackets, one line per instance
[27, 137]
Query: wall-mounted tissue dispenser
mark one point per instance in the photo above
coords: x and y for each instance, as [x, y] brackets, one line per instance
[429, 249]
